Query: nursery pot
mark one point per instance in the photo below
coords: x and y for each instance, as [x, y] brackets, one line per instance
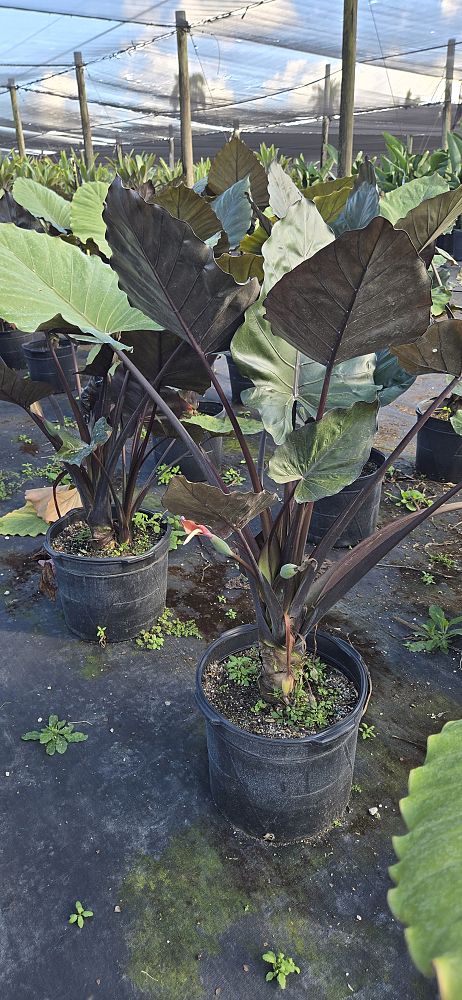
[11, 348]
[42, 367]
[238, 382]
[288, 788]
[364, 522]
[438, 449]
[452, 243]
[212, 445]
[123, 594]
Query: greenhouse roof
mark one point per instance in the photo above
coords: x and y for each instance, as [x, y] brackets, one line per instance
[261, 62]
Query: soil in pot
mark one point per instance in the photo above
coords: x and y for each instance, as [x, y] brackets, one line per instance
[42, 367]
[364, 522]
[211, 444]
[121, 593]
[282, 787]
[438, 447]
[11, 348]
[231, 686]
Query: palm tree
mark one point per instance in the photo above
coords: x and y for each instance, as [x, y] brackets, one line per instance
[197, 89]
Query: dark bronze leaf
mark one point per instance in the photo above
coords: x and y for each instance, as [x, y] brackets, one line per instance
[221, 512]
[432, 217]
[187, 205]
[12, 211]
[439, 350]
[233, 162]
[171, 274]
[22, 391]
[368, 289]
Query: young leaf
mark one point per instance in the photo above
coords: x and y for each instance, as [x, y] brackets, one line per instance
[188, 206]
[76, 737]
[328, 455]
[87, 913]
[33, 735]
[46, 736]
[79, 906]
[150, 250]
[269, 956]
[50, 750]
[61, 744]
[233, 162]
[281, 189]
[75, 451]
[362, 206]
[456, 421]
[53, 720]
[80, 921]
[73, 918]
[351, 298]
[282, 980]
[234, 211]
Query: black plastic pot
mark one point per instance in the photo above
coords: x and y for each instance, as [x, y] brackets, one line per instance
[438, 449]
[364, 522]
[123, 594]
[42, 367]
[212, 445]
[238, 382]
[11, 348]
[290, 788]
[452, 243]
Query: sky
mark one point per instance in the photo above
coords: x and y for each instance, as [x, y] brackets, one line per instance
[257, 64]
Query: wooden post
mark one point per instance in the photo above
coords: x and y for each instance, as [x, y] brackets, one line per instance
[84, 114]
[171, 148]
[326, 116]
[182, 29]
[409, 143]
[347, 97]
[236, 129]
[446, 124]
[17, 117]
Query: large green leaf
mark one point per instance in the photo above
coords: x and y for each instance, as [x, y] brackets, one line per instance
[396, 204]
[281, 376]
[185, 204]
[455, 153]
[87, 214]
[353, 297]
[222, 512]
[429, 220]
[42, 277]
[23, 521]
[12, 211]
[234, 211]
[281, 189]
[439, 350]
[223, 425]
[15, 388]
[326, 455]
[428, 875]
[233, 162]
[170, 274]
[43, 203]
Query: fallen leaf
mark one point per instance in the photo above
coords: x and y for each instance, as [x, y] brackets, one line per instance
[67, 498]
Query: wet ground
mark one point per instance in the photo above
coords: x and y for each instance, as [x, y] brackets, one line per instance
[183, 905]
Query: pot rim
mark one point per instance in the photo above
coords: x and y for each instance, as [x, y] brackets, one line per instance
[72, 515]
[324, 735]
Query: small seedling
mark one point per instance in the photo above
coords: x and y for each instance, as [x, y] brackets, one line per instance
[56, 736]
[241, 669]
[165, 473]
[231, 613]
[166, 624]
[24, 439]
[435, 634]
[390, 473]
[337, 824]
[427, 578]
[101, 635]
[356, 789]
[282, 967]
[411, 499]
[444, 559]
[232, 477]
[367, 732]
[80, 915]
[221, 599]
[259, 706]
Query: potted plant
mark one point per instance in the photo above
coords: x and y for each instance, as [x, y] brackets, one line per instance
[344, 300]
[12, 342]
[268, 785]
[439, 445]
